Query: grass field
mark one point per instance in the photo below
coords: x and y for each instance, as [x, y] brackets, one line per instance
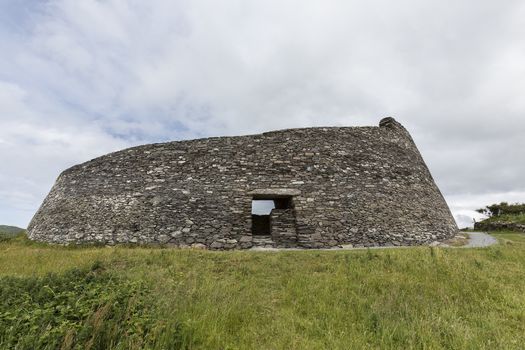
[152, 298]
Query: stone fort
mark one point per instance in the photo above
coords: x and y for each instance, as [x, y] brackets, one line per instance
[321, 187]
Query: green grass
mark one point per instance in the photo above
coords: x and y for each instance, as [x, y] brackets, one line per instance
[514, 218]
[509, 237]
[417, 298]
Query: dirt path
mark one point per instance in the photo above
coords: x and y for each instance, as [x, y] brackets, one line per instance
[480, 239]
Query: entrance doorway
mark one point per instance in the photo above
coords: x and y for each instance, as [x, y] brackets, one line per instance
[262, 213]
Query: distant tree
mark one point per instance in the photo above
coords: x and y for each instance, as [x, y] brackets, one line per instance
[502, 208]
[483, 211]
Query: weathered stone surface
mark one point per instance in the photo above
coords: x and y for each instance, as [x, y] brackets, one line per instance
[360, 186]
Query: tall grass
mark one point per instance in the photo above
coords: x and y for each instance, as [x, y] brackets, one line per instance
[417, 298]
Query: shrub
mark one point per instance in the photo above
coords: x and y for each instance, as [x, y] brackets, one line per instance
[81, 309]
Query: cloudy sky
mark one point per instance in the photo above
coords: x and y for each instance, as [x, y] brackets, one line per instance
[82, 78]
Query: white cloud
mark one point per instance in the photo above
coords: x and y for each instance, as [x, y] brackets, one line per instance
[464, 205]
[86, 77]
[36, 146]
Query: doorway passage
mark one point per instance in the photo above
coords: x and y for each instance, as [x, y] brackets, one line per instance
[262, 210]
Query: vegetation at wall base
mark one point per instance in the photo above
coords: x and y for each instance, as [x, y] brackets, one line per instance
[55, 297]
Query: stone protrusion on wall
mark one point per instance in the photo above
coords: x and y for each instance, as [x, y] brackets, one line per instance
[389, 122]
[366, 186]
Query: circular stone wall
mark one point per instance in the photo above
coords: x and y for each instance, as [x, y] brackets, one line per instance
[365, 186]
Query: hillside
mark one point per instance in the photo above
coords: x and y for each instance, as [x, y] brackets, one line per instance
[152, 298]
[510, 218]
[10, 230]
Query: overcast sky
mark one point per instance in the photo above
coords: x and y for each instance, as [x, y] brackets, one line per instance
[80, 78]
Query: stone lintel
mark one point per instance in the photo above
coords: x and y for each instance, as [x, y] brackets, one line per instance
[262, 193]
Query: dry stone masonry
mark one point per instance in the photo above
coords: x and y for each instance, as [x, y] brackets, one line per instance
[364, 186]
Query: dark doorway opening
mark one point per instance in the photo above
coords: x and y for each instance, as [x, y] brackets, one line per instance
[261, 210]
[261, 213]
[261, 225]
